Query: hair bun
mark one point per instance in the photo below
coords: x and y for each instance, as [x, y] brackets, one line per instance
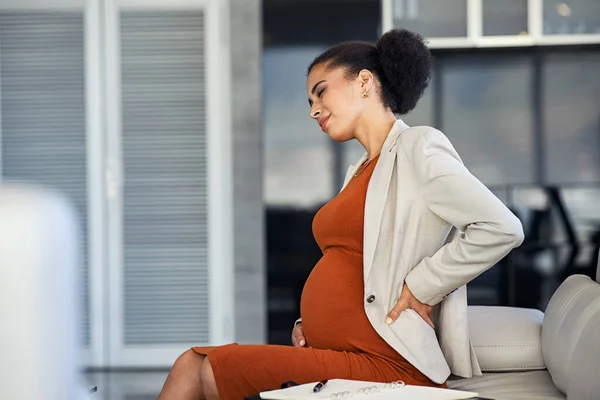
[405, 63]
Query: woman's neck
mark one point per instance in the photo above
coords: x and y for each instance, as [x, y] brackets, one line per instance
[373, 132]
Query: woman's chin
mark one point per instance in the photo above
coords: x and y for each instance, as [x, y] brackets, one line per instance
[339, 137]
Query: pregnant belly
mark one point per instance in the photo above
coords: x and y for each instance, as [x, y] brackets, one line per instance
[332, 310]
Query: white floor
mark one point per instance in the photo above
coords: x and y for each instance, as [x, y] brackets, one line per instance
[142, 385]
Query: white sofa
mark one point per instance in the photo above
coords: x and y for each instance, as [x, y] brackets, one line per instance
[526, 354]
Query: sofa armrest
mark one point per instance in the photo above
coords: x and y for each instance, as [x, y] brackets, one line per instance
[506, 338]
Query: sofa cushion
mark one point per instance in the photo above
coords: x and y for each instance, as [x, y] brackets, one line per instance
[571, 311]
[506, 338]
[531, 385]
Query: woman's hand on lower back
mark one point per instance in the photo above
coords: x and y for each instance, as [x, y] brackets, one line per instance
[408, 300]
[298, 339]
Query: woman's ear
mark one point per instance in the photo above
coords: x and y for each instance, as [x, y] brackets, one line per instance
[366, 79]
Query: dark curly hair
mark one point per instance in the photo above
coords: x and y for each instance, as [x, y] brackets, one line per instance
[400, 60]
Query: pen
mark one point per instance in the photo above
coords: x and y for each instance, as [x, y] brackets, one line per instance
[319, 386]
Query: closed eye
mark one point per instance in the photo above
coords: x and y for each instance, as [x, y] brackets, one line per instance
[314, 89]
[319, 93]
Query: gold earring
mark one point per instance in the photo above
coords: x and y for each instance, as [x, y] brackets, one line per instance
[364, 94]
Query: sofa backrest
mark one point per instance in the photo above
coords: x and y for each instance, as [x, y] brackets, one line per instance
[570, 337]
[584, 373]
[598, 269]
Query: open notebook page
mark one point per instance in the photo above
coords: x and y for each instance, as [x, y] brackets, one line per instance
[337, 386]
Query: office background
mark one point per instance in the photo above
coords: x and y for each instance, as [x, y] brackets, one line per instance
[180, 131]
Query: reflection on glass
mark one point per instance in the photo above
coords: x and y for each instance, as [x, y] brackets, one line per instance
[573, 17]
[540, 259]
[486, 113]
[543, 223]
[421, 115]
[432, 18]
[505, 17]
[572, 117]
[582, 206]
[586, 261]
[298, 158]
[533, 208]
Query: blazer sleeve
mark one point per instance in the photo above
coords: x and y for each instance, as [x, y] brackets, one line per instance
[489, 230]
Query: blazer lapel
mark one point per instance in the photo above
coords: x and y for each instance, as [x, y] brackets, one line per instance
[377, 194]
[352, 169]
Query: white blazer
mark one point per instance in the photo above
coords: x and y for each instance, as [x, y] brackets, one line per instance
[430, 223]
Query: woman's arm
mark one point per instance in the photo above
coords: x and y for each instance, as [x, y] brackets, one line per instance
[489, 229]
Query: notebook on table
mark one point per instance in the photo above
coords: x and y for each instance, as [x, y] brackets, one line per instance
[359, 390]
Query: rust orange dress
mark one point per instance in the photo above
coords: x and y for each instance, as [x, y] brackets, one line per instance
[341, 343]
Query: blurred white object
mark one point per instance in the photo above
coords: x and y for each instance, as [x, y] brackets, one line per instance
[38, 296]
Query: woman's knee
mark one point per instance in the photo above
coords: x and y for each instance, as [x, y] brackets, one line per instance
[184, 379]
[208, 382]
[189, 360]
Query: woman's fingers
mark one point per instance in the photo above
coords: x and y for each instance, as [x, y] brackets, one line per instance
[423, 312]
[298, 339]
[393, 315]
[408, 300]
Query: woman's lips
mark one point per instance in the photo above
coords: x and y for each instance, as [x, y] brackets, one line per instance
[324, 123]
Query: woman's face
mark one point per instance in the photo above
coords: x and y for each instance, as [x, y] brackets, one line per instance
[336, 103]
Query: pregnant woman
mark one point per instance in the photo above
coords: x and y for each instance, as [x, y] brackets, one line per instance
[410, 228]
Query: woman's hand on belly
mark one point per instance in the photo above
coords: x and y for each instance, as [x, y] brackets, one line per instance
[298, 339]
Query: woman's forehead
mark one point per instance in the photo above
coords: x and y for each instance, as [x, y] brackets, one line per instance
[316, 74]
[321, 72]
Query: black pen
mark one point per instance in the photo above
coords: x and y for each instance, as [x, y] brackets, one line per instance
[319, 386]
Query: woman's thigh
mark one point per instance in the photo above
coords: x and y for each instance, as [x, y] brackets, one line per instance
[246, 370]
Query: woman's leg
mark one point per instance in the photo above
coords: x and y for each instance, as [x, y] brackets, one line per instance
[232, 372]
[183, 382]
[207, 379]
